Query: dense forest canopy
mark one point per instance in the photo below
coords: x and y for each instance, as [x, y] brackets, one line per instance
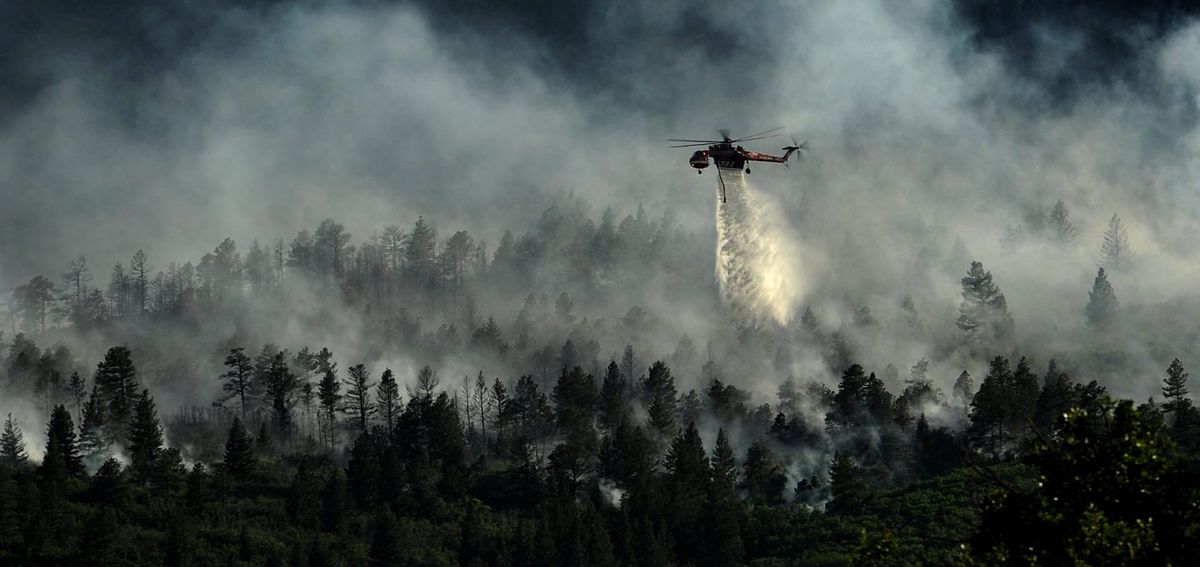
[384, 283]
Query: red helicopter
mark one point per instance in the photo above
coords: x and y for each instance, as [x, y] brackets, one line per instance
[729, 156]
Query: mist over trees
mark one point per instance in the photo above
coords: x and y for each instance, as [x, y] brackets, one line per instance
[575, 435]
[313, 284]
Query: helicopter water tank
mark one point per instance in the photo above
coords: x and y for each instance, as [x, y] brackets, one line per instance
[699, 160]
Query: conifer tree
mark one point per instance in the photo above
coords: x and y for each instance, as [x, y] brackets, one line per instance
[239, 452]
[1175, 387]
[659, 395]
[964, 388]
[722, 534]
[281, 388]
[1061, 229]
[847, 485]
[330, 399]
[358, 397]
[387, 399]
[983, 314]
[116, 378]
[1102, 304]
[763, 479]
[612, 398]
[1114, 251]
[239, 378]
[77, 387]
[687, 480]
[145, 439]
[12, 444]
[92, 440]
[62, 453]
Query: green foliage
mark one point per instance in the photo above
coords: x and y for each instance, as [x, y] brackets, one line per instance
[239, 452]
[116, 382]
[12, 444]
[983, 315]
[145, 439]
[659, 395]
[1110, 491]
[1102, 304]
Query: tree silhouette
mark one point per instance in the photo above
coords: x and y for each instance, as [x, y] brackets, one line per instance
[1102, 304]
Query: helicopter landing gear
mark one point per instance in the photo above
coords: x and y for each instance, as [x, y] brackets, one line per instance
[747, 171]
[698, 172]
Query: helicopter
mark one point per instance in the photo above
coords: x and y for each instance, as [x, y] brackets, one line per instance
[728, 156]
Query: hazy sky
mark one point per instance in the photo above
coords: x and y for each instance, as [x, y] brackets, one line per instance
[169, 125]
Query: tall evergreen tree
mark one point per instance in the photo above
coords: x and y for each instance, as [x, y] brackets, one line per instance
[687, 480]
[762, 479]
[328, 393]
[612, 398]
[145, 439]
[77, 388]
[239, 378]
[1114, 251]
[1175, 387]
[358, 397]
[723, 541]
[659, 396]
[1102, 304]
[983, 314]
[12, 444]
[847, 483]
[282, 385]
[239, 451]
[116, 378]
[1059, 225]
[387, 399]
[62, 458]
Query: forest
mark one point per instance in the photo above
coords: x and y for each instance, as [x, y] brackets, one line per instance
[424, 400]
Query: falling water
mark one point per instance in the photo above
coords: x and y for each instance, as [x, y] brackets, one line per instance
[758, 265]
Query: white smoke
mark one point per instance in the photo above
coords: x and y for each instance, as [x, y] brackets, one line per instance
[758, 260]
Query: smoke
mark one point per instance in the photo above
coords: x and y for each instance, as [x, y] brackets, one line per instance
[758, 262]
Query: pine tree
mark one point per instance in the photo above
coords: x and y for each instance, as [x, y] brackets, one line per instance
[1102, 304]
[612, 398]
[1175, 387]
[763, 479]
[687, 479]
[1114, 251]
[239, 452]
[358, 397]
[239, 378]
[116, 378]
[92, 440]
[964, 388]
[847, 484]
[145, 439]
[427, 382]
[281, 388]
[722, 535]
[387, 399]
[983, 314]
[62, 453]
[77, 387]
[12, 444]
[330, 398]
[659, 395]
[1061, 229]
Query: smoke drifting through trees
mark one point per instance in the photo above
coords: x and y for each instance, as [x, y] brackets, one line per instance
[441, 246]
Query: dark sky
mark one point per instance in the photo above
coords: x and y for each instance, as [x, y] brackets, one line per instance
[1061, 47]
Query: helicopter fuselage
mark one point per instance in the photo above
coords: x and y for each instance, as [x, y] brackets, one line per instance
[728, 156]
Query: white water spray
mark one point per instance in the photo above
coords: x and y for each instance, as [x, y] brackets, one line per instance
[758, 265]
